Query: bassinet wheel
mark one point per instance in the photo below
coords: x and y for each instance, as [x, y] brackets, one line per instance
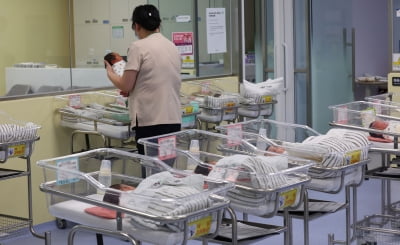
[61, 223]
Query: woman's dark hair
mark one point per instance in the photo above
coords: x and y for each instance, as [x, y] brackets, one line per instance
[147, 16]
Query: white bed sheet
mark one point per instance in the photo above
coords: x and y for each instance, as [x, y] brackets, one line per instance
[254, 113]
[73, 210]
[354, 176]
[215, 118]
[116, 132]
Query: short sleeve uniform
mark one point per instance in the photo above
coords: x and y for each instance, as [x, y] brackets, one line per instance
[155, 98]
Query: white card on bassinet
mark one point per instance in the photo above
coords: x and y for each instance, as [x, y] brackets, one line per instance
[64, 166]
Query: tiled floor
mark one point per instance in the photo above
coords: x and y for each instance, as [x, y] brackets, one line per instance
[368, 203]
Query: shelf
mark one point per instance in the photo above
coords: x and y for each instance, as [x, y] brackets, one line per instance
[317, 208]
[384, 173]
[11, 226]
[247, 231]
[9, 173]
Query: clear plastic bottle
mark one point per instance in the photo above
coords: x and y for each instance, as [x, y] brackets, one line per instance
[195, 151]
[105, 173]
[261, 144]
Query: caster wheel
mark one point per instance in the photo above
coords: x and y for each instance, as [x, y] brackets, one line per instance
[61, 223]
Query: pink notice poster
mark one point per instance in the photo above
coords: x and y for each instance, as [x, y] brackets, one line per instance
[184, 42]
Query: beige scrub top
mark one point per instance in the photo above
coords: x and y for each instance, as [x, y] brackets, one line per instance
[155, 98]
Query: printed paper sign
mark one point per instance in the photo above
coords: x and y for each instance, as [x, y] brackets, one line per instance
[183, 18]
[396, 62]
[74, 100]
[166, 149]
[184, 42]
[216, 30]
[118, 32]
[200, 227]
[235, 134]
[16, 150]
[63, 175]
[287, 198]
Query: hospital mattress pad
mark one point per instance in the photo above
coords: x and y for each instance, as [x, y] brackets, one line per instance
[74, 211]
[116, 132]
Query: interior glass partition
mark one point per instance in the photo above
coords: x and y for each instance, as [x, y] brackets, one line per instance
[331, 56]
[57, 46]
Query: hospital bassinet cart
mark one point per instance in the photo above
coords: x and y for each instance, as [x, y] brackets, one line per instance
[258, 100]
[216, 104]
[327, 175]
[190, 111]
[220, 156]
[378, 120]
[100, 114]
[189, 206]
[17, 140]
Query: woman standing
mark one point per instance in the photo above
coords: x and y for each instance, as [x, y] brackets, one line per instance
[151, 77]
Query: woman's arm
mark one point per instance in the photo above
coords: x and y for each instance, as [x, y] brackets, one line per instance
[124, 83]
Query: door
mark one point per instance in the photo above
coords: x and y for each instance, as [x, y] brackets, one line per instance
[331, 58]
[309, 44]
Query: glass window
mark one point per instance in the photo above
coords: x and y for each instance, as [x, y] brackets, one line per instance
[59, 45]
[33, 35]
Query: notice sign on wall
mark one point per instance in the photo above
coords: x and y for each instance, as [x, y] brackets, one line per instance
[396, 62]
[216, 30]
[184, 42]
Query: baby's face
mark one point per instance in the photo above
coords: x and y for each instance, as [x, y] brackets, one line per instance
[117, 58]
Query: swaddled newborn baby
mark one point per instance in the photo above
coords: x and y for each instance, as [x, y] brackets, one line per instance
[384, 126]
[117, 62]
[118, 65]
[164, 194]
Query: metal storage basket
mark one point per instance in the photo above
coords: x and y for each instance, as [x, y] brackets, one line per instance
[378, 230]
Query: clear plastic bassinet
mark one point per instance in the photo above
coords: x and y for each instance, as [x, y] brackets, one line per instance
[132, 204]
[216, 104]
[260, 193]
[17, 137]
[333, 170]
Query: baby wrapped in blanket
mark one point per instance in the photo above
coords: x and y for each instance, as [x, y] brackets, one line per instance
[164, 195]
[331, 150]
[336, 149]
[263, 174]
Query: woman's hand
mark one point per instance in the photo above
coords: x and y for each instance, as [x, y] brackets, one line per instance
[124, 83]
[108, 68]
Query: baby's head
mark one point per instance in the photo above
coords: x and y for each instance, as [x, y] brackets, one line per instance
[113, 58]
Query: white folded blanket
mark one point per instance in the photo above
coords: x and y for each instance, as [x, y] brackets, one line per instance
[261, 172]
[165, 195]
[331, 150]
[264, 174]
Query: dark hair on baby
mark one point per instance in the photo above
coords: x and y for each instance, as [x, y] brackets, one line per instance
[147, 16]
[110, 57]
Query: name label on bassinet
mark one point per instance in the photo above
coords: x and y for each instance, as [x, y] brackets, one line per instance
[200, 227]
[287, 198]
[267, 98]
[16, 150]
[354, 156]
[187, 110]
